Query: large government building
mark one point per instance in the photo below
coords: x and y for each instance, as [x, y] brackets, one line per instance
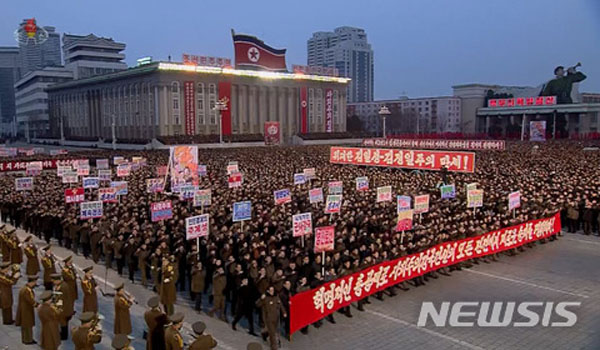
[172, 99]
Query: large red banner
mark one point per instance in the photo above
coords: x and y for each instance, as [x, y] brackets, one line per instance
[303, 107]
[190, 107]
[407, 159]
[328, 110]
[272, 133]
[312, 305]
[22, 165]
[470, 145]
[225, 95]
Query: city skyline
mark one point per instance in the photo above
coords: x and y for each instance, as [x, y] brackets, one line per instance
[463, 44]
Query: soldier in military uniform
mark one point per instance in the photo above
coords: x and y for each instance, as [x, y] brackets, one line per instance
[156, 321]
[87, 334]
[16, 253]
[5, 247]
[197, 285]
[69, 275]
[168, 291]
[62, 292]
[49, 313]
[25, 310]
[33, 264]
[49, 264]
[219, 284]
[8, 278]
[88, 287]
[121, 342]
[271, 309]
[202, 341]
[173, 338]
[122, 316]
[142, 255]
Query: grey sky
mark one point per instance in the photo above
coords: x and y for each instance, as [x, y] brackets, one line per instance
[422, 47]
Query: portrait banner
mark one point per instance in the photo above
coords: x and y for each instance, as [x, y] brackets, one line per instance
[184, 166]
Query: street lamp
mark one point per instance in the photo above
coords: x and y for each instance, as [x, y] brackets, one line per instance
[221, 105]
[384, 112]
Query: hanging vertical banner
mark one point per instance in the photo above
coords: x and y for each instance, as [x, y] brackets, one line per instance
[272, 133]
[303, 109]
[405, 220]
[514, 200]
[537, 130]
[184, 166]
[421, 204]
[189, 107]
[328, 110]
[225, 95]
[324, 239]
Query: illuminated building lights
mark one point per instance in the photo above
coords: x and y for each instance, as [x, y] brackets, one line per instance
[250, 73]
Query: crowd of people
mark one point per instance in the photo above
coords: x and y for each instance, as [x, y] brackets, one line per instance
[251, 270]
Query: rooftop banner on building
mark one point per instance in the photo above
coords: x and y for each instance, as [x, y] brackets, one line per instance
[253, 53]
[470, 145]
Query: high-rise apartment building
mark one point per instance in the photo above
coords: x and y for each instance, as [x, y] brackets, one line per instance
[347, 50]
[89, 55]
[36, 56]
[9, 74]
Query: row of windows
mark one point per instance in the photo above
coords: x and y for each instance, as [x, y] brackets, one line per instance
[200, 106]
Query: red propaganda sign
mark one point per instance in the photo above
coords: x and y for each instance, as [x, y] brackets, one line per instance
[190, 107]
[272, 135]
[206, 61]
[303, 110]
[324, 239]
[469, 145]
[522, 101]
[328, 110]
[74, 195]
[406, 159]
[235, 180]
[313, 305]
[22, 165]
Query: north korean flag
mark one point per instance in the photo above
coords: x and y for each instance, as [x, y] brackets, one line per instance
[252, 53]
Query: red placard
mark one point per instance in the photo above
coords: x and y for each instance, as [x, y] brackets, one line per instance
[189, 107]
[328, 110]
[406, 159]
[469, 145]
[313, 305]
[74, 195]
[324, 239]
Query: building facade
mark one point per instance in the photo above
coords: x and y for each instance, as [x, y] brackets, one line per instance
[171, 99]
[37, 56]
[31, 99]
[415, 115]
[347, 50]
[89, 55]
[9, 74]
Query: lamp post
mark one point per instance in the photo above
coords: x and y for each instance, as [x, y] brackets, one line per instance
[221, 105]
[384, 112]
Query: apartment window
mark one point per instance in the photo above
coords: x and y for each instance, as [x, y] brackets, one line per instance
[213, 113]
[211, 88]
[175, 87]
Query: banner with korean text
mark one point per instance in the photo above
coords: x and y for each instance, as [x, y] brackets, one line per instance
[161, 210]
[467, 145]
[302, 224]
[189, 98]
[90, 210]
[196, 226]
[108, 195]
[22, 165]
[405, 159]
[312, 305]
[74, 195]
[324, 239]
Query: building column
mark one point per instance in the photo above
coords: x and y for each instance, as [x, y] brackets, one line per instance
[487, 125]
[523, 123]
[291, 118]
[252, 109]
[272, 104]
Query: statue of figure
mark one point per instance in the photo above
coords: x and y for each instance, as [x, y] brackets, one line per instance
[561, 85]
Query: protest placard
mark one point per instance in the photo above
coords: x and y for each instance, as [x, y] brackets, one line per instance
[235, 180]
[310, 173]
[403, 203]
[104, 174]
[108, 195]
[197, 226]
[91, 182]
[384, 194]
[24, 184]
[101, 163]
[514, 200]
[123, 170]
[155, 185]
[161, 211]
[90, 210]
[282, 196]
[362, 183]
[421, 204]
[242, 211]
[335, 187]
[302, 224]
[474, 198]
[121, 187]
[333, 204]
[74, 195]
[203, 198]
[405, 220]
[315, 195]
[324, 239]
[299, 179]
[448, 191]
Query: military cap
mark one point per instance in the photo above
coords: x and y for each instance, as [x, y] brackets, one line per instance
[86, 317]
[10, 232]
[120, 286]
[2, 227]
[32, 278]
[88, 269]
[120, 341]
[46, 248]
[68, 258]
[254, 346]
[176, 317]
[153, 302]
[55, 276]
[4, 264]
[199, 327]
[46, 295]
[27, 239]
